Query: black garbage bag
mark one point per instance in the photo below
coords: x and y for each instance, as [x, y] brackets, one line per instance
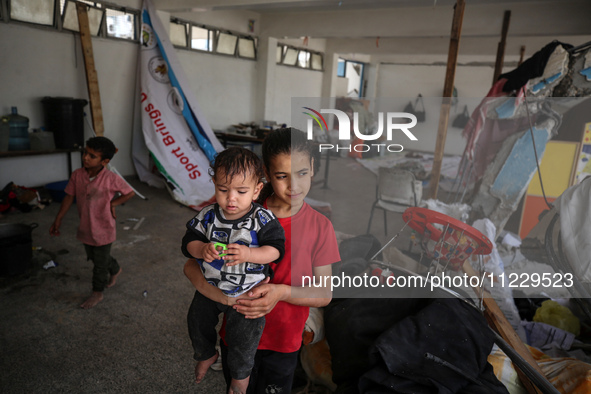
[380, 346]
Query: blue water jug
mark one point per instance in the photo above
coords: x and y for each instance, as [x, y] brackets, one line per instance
[19, 131]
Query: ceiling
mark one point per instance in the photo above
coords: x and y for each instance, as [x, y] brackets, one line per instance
[402, 26]
[262, 6]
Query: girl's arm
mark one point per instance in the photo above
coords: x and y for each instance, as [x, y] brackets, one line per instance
[193, 272]
[265, 297]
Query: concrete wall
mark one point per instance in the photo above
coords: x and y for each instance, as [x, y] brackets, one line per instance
[397, 84]
[225, 86]
[293, 82]
[40, 62]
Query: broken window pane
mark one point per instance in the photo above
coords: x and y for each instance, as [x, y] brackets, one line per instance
[246, 48]
[178, 33]
[291, 56]
[33, 11]
[70, 20]
[226, 44]
[316, 61]
[120, 24]
[200, 39]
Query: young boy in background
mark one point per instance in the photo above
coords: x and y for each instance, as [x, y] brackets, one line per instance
[94, 187]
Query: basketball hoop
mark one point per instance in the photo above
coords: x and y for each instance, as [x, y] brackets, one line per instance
[445, 238]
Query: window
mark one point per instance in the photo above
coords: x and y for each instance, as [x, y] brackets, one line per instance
[291, 56]
[87, 2]
[104, 20]
[304, 59]
[184, 34]
[120, 24]
[341, 68]
[70, 18]
[317, 61]
[178, 33]
[353, 72]
[201, 38]
[246, 48]
[226, 43]
[301, 58]
[33, 11]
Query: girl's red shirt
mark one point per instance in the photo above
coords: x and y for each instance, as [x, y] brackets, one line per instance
[310, 241]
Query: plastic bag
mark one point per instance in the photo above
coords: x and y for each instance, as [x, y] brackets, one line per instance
[551, 312]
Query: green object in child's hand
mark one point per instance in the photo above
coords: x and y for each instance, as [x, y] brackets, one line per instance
[221, 245]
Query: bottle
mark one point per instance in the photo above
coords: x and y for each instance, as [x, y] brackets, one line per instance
[19, 131]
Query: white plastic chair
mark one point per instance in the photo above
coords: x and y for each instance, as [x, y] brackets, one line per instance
[396, 190]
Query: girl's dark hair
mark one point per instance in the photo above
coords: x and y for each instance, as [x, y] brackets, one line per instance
[103, 145]
[286, 141]
[237, 161]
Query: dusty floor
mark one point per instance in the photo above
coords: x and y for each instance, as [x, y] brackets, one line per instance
[135, 340]
[130, 342]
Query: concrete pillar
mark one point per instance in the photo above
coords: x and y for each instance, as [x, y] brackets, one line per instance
[329, 80]
[372, 71]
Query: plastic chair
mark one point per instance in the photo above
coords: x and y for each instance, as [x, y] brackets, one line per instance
[396, 190]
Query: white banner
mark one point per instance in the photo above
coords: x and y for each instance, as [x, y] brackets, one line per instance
[180, 142]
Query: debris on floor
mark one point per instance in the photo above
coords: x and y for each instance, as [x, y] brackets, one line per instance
[49, 264]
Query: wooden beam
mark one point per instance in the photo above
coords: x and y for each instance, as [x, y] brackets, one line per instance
[452, 60]
[501, 47]
[91, 76]
[497, 320]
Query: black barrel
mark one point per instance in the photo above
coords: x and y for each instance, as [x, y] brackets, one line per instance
[64, 116]
[16, 249]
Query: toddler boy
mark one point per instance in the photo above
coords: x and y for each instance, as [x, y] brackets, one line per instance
[233, 241]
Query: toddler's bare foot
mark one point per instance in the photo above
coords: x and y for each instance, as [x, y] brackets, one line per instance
[202, 367]
[238, 386]
[114, 278]
[95, 298]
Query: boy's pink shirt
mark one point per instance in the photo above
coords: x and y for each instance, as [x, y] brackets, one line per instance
[93, 199]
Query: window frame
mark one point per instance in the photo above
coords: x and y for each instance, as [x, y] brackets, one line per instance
[136, 23]
[63, 15]
[210, 38]
[213, 39]
[286, 47]
[187, 25]
[59, 14]
[103, 31]
[6, 8]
